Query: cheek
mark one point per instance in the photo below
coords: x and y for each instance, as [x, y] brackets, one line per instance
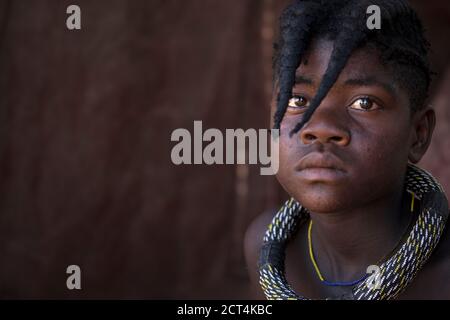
[381, 160]
[387, 147]
[289, 146]
[288, 157]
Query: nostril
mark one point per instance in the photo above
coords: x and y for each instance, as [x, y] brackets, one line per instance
[336, 138]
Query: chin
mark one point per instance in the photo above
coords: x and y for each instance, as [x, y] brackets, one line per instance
[320, 202]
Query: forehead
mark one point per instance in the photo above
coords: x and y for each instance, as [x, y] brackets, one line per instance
[363, 63]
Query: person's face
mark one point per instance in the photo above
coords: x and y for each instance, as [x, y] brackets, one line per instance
[356, 147]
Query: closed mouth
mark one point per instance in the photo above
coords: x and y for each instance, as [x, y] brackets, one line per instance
[318, 160]
[320, 167]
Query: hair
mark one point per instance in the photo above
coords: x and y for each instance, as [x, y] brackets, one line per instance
[400, 42]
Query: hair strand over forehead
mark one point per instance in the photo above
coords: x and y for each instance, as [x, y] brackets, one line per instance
[400, 41]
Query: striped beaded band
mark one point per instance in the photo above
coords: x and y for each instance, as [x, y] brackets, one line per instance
[395, 273]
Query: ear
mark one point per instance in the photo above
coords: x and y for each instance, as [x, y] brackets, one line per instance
[423, 123]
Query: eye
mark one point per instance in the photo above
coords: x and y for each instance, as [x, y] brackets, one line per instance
[297, 102]
[365, 104]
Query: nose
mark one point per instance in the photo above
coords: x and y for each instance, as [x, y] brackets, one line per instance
[325, 127]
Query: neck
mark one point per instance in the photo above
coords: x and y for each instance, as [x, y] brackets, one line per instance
[346, 243]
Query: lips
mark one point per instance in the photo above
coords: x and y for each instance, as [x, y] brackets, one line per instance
[317, 166]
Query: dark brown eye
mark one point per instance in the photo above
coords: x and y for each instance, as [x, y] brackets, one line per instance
[298, 102]
[363, 104]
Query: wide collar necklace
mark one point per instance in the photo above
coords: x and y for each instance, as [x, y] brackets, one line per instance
[394, 274]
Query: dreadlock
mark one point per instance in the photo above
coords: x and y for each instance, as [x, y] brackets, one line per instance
[400, 42]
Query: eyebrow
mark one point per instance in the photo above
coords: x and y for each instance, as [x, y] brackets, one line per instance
[361, 82]
[299, 79]
[367, 82]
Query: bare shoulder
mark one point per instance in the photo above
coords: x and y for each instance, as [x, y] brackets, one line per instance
[252, 245]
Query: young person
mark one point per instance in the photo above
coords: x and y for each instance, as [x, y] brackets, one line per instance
[350, 101]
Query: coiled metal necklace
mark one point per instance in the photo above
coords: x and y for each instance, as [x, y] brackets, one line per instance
[395, 273]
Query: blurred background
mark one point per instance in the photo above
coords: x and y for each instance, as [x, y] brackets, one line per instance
[86, 116]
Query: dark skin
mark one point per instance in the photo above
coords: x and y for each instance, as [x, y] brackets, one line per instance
[366, 129]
